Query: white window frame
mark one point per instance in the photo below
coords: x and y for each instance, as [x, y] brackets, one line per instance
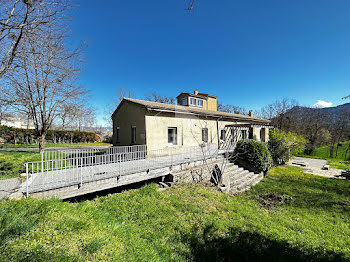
[194, 100]
[133, 135]
[174, 141]
[202, 103]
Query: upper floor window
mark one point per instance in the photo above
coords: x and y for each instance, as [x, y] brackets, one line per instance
[185, 101]
[193, 101]
[200, 103]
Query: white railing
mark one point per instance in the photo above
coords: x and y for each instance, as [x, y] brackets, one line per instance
[74, 167]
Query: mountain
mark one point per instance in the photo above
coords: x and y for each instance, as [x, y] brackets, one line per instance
[332, 111]
[336, 110]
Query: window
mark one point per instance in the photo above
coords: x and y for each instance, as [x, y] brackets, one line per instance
[185, 101]
[205, 135]
[223, 134]
[133, 135]
[117, 135]
[251, 135]
[263, 135]
[172, 135]
[244, 134]
[193, 101]
[200, 103]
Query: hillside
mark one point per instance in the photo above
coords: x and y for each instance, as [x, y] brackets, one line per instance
[332, 111]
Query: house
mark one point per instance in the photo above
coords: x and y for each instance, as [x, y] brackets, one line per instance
[194, 121]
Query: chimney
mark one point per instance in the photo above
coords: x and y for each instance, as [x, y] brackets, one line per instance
[250, 113]
[195, 92]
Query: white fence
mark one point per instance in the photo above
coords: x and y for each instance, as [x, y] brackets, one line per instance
[71, 167]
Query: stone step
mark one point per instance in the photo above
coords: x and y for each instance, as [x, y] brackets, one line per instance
[231, 168]
[249, 183]
[239, 175]
[242, 180]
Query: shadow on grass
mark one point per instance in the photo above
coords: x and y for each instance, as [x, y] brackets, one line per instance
[241, 246]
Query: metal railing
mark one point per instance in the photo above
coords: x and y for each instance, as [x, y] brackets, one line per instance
[74, 167]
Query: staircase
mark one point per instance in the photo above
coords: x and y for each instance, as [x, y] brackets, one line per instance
[239, 178]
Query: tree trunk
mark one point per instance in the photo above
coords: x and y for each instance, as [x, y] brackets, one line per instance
[42, 143]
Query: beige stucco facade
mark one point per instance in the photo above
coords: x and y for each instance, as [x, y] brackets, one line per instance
[152, 128]
[129, 115]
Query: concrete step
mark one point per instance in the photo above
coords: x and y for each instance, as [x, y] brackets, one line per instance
[230, 169]
[238, 175]
[242, 180]
[249, 183]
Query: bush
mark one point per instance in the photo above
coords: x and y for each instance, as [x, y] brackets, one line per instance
[253, 155]
[283, 145]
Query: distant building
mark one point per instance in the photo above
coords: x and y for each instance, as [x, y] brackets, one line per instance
[16, 123]
[194, 121]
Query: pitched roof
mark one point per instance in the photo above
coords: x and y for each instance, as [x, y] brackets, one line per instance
[150, 105]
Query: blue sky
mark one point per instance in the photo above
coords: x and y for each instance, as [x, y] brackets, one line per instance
[248, 53]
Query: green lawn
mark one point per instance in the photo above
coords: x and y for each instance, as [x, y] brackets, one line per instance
[188, 222]
[12, 163]
[55, 145]
[324, 153]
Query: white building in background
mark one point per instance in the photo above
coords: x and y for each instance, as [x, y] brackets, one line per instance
[16, 123]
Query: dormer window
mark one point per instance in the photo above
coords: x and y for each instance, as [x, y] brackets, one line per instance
[200, 103]
[193, 101]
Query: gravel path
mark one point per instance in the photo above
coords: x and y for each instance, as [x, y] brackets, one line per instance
[314, 166]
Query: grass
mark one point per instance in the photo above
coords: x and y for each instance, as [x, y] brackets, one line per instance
[324, 153]
[186, 222]
[54, 145]
[12, 163]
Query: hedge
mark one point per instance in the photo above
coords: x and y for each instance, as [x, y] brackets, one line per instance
[253, 155]
[29, 136]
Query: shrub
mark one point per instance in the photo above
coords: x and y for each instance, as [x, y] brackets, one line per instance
[254, 155]
[283, 145]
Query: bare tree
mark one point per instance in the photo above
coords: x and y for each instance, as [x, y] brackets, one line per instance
[346, 97]
[232, 109]
[84, 117]
[44, 78]
[22, 19]
[115, 101]
[66, 114]
[155, 97]
[277, 110]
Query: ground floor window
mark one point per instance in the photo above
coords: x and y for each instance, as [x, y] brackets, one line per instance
[244, 134]
[251, 135]
[262, 135]
[205, 135]
[172, 135]
[133, 135]
[223, 134]
[117, 135]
